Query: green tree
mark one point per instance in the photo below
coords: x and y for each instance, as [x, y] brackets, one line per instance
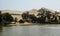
[33, 18]
[21, 21]
[48, 14]
[42, 16]
[25, 16]
[7, 18]
[1, 19]
[15, 20]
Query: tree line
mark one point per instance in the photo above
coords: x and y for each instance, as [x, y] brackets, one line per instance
[43, 17]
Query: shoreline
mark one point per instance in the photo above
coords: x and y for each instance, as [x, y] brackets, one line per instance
[30, 24]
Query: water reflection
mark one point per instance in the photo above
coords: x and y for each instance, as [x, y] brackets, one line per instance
[1, 28]
[30, 31]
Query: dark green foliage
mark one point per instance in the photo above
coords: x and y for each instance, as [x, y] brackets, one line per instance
[1, 19]
[25, 15]
[44, 16]
[7, 17]
[21, 21]
[41, 19]
[29, 18]
[33, 18]
[15, 20]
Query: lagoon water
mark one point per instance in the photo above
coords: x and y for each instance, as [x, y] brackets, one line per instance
[35, 30]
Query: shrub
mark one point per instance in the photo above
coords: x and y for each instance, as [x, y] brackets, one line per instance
[21, 21]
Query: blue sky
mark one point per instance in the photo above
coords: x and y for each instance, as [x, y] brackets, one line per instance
[29, 4]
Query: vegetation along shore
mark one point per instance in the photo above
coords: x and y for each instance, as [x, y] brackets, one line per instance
[40, 16]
